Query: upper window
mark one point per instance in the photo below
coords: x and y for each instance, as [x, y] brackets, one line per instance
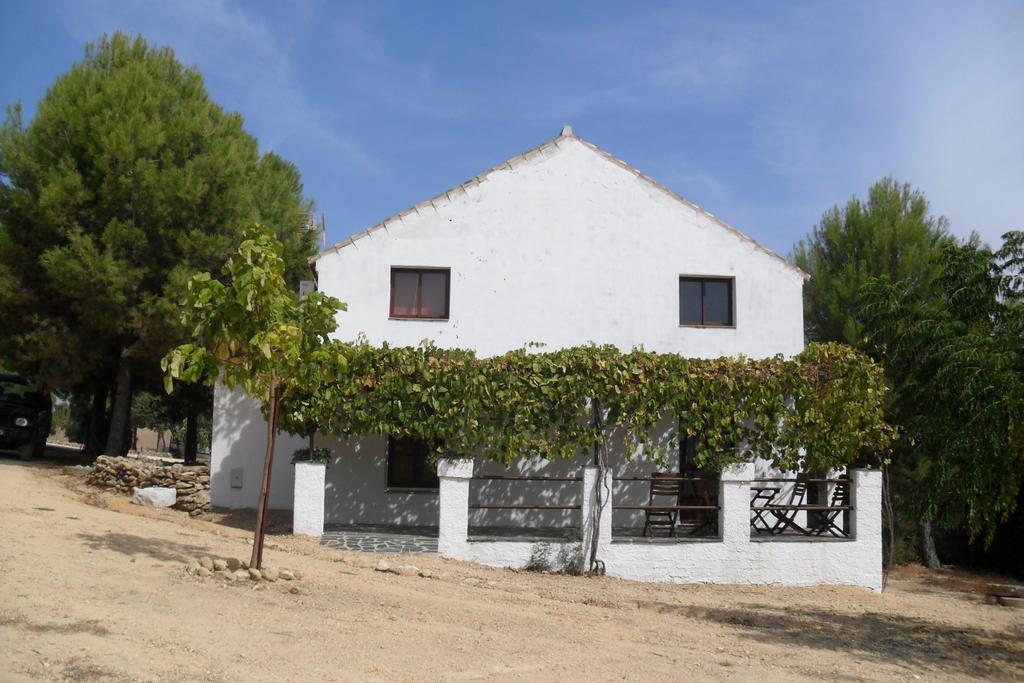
[706, 301]
[409, 465]
[420, 293]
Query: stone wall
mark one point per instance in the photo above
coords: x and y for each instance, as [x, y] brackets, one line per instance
[123, 474]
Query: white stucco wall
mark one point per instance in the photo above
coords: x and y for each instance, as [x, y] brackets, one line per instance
[308, 519]
[563, 247]
[240, 443]
[566, 248]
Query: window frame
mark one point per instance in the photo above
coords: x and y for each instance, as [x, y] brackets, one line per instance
[420, 270]
[403, 488]
[703, 279]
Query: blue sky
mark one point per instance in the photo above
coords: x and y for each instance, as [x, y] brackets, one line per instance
[763, 113]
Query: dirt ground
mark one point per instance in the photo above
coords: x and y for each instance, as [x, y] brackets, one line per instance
[93, 588]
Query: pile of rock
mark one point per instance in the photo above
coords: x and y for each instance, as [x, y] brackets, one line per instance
[123, 474]
[231, 569]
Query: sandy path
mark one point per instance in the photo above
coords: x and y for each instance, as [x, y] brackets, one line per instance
[98, 593]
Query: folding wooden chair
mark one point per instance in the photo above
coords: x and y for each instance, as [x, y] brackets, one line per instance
[700, 491]
[786, 518]
[827, 520]
[669, 490]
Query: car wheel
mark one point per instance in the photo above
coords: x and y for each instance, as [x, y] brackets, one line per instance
[27, 451]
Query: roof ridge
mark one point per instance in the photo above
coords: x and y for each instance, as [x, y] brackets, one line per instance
[477, 179]
[643, 176]
[565, 134]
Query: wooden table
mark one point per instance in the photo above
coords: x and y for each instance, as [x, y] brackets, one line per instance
[765, 495]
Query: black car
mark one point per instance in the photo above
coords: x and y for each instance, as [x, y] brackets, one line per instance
[25, 416]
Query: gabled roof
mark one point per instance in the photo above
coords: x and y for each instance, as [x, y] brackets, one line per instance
[566, 134]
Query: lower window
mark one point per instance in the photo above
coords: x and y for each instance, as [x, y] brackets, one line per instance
[409, 465]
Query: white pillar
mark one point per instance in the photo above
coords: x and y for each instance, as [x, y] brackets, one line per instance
[866, 521]
[591, 477]
[308, 514]
[453, 506]
[734, 503]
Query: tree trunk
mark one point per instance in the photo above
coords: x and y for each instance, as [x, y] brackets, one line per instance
[256, 560]
[817, 494]
[95, 430]
[601, 460]
[129, 430]
[928, 554]
[888, 526]
[191, 433]
[120, 409]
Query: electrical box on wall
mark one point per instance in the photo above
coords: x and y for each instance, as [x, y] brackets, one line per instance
[236, 478]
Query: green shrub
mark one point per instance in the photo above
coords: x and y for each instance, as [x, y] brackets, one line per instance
[540, 558]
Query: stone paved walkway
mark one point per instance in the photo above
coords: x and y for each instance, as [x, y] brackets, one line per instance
[381, 539]
[369, 538]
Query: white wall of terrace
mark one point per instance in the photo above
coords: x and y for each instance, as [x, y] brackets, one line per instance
[735, 557]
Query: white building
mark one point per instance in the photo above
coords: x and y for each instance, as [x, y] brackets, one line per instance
[564, 245]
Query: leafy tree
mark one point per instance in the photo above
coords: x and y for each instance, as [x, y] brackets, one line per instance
[313, 404]
[889, 234]
[152, 411]
[127, 181]
[165, 413]
[956, 359]
[254, 332]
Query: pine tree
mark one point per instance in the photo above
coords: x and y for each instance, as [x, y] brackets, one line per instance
[128, 180]
[956, 361]
[889, 234]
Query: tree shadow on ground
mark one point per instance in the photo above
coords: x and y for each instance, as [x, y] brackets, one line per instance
[55, 455]
[156, 548]
[891, 637]
[91, 626]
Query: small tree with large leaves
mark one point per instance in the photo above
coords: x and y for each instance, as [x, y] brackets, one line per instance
[254, 332]
[956, 359]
